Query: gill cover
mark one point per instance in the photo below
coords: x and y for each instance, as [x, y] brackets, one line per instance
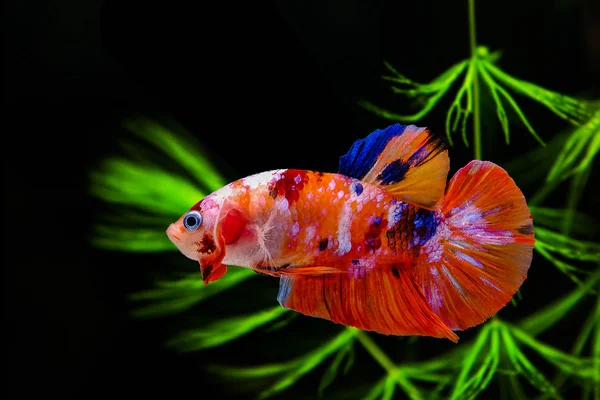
[229, 227]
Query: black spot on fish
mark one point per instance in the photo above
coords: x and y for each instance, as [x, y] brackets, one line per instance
[207, 272]
[397, 235]
[358, 188]
[526, 230]
[395, 272]
[425, 224]
[394, 172]
[430, 149]
[323, 244]
[354, 262]
[206, 245]
[373, 235]
[273, 192]
[391, 239]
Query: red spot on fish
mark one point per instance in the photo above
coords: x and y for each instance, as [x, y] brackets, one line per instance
[197, 206]
[373, 235]
[233, 225]
[289, 185]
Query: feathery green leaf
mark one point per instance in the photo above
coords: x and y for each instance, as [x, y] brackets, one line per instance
[175, 296]
[225, 330]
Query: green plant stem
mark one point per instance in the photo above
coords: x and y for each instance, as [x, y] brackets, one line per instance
[577, 184]
[392, 370]
[543, 192]
[476, 110]
[376, 352]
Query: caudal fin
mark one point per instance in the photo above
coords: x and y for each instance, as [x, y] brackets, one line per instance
[487, 250]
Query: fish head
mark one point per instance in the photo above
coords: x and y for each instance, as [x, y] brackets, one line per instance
[204, 231]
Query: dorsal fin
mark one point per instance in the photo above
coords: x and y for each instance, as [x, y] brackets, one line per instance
[408, 161]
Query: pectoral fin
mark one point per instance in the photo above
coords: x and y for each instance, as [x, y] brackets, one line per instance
[211, 273]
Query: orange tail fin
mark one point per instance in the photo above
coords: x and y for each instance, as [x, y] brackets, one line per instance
[487, 250]
[385, 300]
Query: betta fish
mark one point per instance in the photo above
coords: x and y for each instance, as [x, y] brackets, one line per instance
[382, 245]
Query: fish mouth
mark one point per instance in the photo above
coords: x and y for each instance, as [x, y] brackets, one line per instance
[172, 234]
[175, 234]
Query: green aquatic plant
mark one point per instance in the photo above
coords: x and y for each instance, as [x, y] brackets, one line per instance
[148, 195]
[512, 357]
[461, 373]
[479, 71]
[287, 373]
[574, 163]
[557, 248]
[564, 236]
[140, 189]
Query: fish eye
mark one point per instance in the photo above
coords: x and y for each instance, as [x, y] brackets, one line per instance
[192, 220]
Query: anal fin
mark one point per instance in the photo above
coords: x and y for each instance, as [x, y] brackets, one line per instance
[386, 300]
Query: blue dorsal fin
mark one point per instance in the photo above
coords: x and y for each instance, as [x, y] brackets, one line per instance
[408, 161]
[364, 152]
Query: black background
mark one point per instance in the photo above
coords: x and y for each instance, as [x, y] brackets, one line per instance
[263, 85]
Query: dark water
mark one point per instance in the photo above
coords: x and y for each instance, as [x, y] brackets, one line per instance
[263, 85]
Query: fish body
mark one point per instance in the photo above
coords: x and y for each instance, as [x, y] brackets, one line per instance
[382, 245]
[321, 219]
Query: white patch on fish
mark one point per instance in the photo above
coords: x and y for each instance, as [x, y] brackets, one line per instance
[252, 182]
[453, 280]
[343, 233]
[310, 233]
